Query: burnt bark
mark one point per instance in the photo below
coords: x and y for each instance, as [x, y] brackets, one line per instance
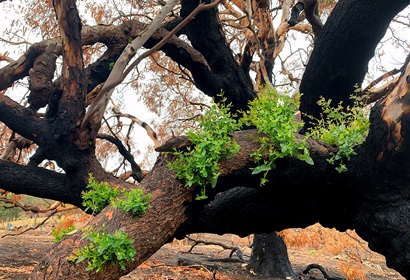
[383, 217]
[342, 51]
[269, 256]
[206, 36]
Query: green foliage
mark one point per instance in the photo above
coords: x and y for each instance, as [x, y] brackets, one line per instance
[100, 194]
[111, 65]
[8, 213]
[345, 128]
[115, 248]
[59, 233]
[198, 166]
[274, 115]
[133, 201]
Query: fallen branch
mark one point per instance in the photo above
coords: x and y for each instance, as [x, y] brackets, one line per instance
[31, 228]
[325, 274]
[233, 248]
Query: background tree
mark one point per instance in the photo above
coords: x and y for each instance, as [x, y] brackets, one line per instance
[210, 53]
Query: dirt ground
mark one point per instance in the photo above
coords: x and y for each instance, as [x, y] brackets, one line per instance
[19, 254]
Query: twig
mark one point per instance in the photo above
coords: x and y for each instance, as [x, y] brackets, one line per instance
[31, 228]
[137, 173]
[381, 78]
[151, 133]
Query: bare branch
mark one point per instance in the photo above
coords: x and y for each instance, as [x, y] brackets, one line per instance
[381, 78]
[31, 228]
[98, 106]
[311, 8]
[151, 133]
[233, 248]
[21, 120]
[32, 208]
[18, 142]
[36, 181]
[137, 173]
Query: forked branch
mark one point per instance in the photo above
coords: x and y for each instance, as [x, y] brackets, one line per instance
[120, 72]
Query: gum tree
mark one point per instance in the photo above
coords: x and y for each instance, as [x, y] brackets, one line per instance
[371, 196]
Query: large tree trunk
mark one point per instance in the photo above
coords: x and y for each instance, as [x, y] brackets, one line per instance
[383, 218]
[342, 51]
[270, 256]
[170, 201]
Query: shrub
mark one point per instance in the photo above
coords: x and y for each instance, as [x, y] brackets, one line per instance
[133, 201]
[116, 249]
[345, 128]
[274, 114]
[198, 166]
[99, 195]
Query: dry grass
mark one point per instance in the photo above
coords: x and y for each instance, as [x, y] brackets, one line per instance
[345, 246]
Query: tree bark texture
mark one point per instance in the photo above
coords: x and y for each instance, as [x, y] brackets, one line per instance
[169, 203]
[270, 256]
[343, 50]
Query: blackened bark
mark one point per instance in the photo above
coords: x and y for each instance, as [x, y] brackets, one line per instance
[22, 120]
[136, 170]
[41, 77]
[343, 49]
[37, 182]
[205, 34]
[19, 69]
[269, 256]
[383, 218]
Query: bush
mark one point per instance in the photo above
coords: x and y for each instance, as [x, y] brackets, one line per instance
[345, 128]
[198, 166]
[99, 195]
[274, 114]
[116, 249]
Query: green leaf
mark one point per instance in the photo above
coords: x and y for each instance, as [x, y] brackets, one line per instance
[261, 168]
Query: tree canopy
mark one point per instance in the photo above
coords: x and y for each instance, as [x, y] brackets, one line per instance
[172, 56]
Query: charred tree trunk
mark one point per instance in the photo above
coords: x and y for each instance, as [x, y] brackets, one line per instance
[383, 219]
[342, 51]
[206, 36]
[270, 256]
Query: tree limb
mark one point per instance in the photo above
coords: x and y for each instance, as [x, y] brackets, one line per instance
[136, 170]
[36, 181]
[22, 120]
[97, 107]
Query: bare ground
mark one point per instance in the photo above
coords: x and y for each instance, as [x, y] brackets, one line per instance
[19, 254]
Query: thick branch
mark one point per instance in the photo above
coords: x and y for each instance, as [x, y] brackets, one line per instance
[21, 120]
[36, 181]
[206, 36]
[311, 8]
[343, 50]
[73, 98]
[119, 71]
[173, 209]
